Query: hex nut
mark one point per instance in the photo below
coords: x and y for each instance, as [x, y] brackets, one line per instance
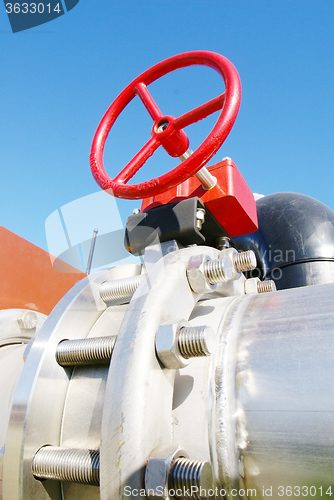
[251, 285]
[228, 254]
[158, 467]
[167, 348]
[27, 320]
[196, 274]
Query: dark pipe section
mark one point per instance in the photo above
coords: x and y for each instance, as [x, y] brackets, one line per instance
[294, 244]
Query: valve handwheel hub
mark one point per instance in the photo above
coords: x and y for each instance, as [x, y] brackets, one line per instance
[167, 131]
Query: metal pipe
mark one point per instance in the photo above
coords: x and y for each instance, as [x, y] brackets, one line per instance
[279, 391]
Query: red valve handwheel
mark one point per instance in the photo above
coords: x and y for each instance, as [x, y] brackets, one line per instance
[167, 130]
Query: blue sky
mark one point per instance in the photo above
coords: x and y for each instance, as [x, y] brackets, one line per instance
[58, 79]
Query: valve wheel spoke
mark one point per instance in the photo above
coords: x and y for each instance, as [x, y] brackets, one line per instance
[148, 101]
[200, 112]
[137, 161]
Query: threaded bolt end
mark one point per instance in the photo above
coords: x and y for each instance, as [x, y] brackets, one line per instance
[191, 476]
[217, 271]
[223, 242]
[244, 261]
[200, 218]
[77, 466]
[266, 286]
[194, 342]
[96, 350]
[120, 289]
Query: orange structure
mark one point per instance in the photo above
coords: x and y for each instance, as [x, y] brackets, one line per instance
[27, 278]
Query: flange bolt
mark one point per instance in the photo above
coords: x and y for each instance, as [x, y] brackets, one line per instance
[67, 464]
[217, 271]
[254, 285]
[244, 261]
[120, 291]
[266, 286]
[96, 350]
[193, 478]
[204, 273]
[27, 320]
[177, 344]
[196, 341]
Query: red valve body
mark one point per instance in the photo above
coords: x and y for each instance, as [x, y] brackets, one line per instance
[231, 201]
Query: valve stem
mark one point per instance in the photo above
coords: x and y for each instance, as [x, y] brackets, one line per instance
[207, 180]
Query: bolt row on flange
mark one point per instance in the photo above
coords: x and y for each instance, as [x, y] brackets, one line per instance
[83, 466]
[176, 345]
[203, 274]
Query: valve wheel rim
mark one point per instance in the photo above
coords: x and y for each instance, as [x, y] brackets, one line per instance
[228, 102]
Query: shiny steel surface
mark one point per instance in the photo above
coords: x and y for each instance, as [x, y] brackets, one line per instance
[13, 342]
[81, 424]
[38, 416]
[200, 218]
[285, 377]
[259, 409]
[139, 394]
